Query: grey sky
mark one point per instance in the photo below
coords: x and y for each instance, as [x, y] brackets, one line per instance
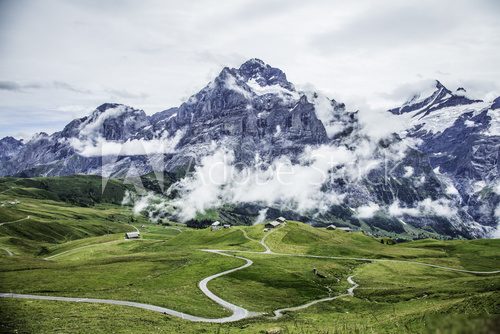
[60, 59]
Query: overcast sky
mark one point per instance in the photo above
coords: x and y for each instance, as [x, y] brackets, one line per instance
[61, 59]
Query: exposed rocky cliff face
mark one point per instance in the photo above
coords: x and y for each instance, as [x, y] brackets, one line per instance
[9, 148]
[446, 181]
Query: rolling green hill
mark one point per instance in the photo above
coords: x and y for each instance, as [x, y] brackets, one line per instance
[82, 190]
[164, 267]
[63, 237]
[39, 212]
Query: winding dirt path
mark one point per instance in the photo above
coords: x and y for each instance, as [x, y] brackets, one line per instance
[239, 312]
[350, 292]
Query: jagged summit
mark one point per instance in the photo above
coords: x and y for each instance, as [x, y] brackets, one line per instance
[254, 85]
[440, 86]
[253, 77]
[108, 105]
[256, 113]
[263, 74]
[435, 97]
[9, 146]
[10, 140]
[253, 65]
[496, 104]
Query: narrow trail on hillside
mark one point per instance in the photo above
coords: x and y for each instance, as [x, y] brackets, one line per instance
[9, 253]
[263, 243]
[173, 228]
[267, 250]
[370, 260]
[136, 229]
[238, 312]
[350, 292]
[15, 221]
[270, 252]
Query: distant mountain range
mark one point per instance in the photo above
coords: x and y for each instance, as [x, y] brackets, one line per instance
[440, 174]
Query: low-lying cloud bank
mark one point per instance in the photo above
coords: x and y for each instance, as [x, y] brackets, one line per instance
[298, 186]
[441, 207]
[101, 147]
[217, 180]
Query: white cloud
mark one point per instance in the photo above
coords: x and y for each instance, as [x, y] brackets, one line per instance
[281, 183]
[441, 207]
[398, 211]
[496, 233]
[261, 217]
[284, 184]
[102, 147]
[496, 187]
[367, 211]
[324, 110]
[377, 122]
[93, 125]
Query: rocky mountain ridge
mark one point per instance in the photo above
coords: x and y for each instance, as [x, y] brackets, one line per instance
[440, 173]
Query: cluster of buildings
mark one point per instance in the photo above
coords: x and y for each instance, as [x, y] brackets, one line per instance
[216, 225]
[275, 223]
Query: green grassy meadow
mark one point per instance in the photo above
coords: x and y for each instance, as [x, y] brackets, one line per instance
[68, 248]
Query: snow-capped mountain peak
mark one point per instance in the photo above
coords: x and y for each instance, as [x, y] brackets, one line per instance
[254, 111]
[262, 74]
[112, 121]
[435, 97]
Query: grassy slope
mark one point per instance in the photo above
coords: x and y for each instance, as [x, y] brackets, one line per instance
[37, 213]
[467, 254]
[165, 267]
[82, 190]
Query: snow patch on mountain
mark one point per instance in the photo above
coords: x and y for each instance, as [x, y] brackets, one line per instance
[282, 92]
[231, 83]
[440, 120]
[494, 126]
[409, 171]
[325, 111]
